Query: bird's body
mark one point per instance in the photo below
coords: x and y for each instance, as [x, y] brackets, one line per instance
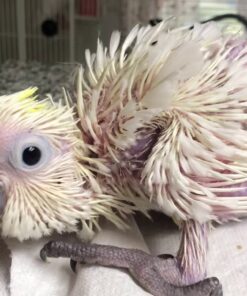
[180, 134]
[154, 127]
[169, 122]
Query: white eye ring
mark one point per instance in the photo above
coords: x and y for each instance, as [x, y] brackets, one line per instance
[30, 152]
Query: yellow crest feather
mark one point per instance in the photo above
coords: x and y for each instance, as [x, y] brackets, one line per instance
[27, 97]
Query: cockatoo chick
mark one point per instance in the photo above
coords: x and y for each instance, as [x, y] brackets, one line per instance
[166, 112]
[45, 183]
[51, 182]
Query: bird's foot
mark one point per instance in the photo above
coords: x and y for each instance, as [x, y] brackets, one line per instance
[169, 270]
[152, 273]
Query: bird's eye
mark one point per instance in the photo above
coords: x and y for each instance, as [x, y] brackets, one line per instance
[30, 152]
[31, 155]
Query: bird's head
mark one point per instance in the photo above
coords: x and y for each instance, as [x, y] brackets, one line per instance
[42, 188]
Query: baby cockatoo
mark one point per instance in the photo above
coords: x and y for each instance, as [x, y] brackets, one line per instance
[166, 114]
[159, 121]
[49, 182]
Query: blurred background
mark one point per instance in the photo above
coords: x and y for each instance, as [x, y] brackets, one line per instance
[40, 40]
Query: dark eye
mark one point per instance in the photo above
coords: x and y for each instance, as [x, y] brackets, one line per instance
[31, 155]
[30, 152]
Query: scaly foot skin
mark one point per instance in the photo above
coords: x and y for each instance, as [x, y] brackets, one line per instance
[154, 274]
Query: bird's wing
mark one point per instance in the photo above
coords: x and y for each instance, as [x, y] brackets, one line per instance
[198, 167]
[123, 87]
[183, 86]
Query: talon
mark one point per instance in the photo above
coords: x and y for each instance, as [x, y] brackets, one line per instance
[43, 255]
[44, 252]
[73, 265]
[51, 249]
[215, 283]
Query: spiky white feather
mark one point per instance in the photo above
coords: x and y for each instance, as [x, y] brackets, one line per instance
[62, 193]
[191, 86]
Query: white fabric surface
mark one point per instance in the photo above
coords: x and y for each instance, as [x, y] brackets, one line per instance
[28, 276]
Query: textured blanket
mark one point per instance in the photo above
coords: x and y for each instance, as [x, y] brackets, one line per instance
[27, 275]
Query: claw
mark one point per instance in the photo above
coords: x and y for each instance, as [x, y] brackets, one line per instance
[218, 291]
[73, 265]
[43, 255]
[44, 252]
[53, 249]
